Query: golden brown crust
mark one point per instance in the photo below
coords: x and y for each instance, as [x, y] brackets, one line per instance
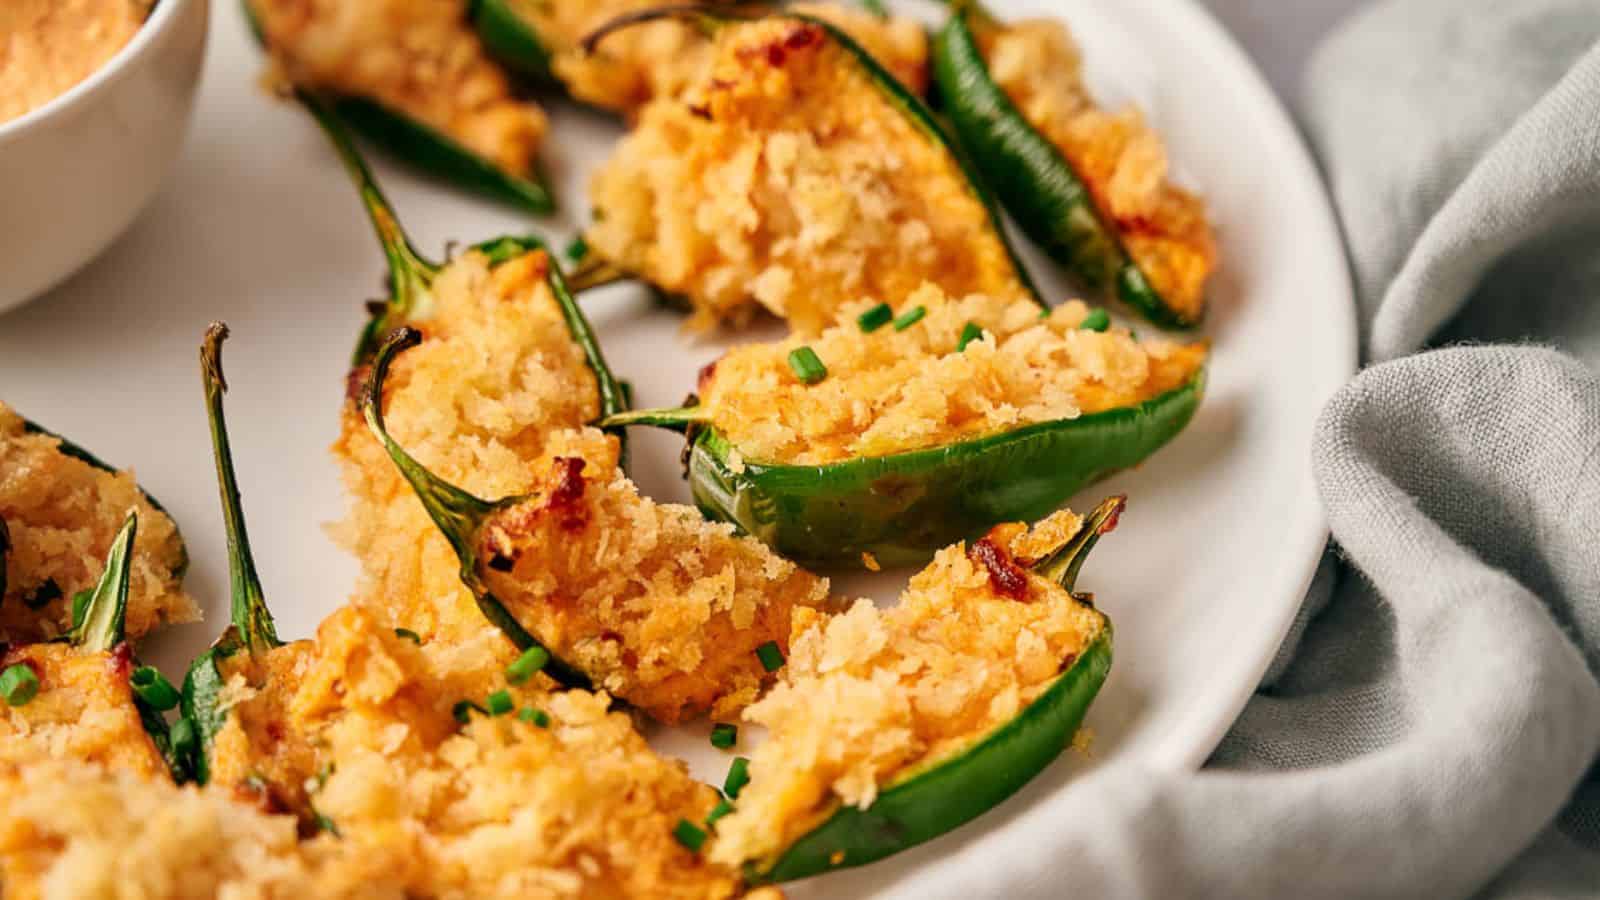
[358, 730]
[892, 391]
[661, 59]
[420, 57]
[84, 712]
[74, 832]
[784, 178]
[1120, 158]
[62, 514]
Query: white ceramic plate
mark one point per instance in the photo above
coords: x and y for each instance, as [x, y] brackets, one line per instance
[260, 228]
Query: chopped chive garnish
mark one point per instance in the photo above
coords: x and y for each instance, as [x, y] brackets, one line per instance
[18, 684]
[724, 735]
[722, 808]
[738, 777]
[531, 661]
[909, 318]
[690, 835]
[500, 703]
[464, 709]
[1044, 313]
[578, 249]
[1097, 320]
[969, 333]
[875, 318]
[409, 635]
[806, 366]
[183, 737]
[42, 595]
[537, 716]
[771, 657]
[153, 688]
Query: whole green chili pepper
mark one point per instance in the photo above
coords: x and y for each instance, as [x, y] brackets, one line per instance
[1030, 175]
[251, 629]
[460, 516]
[713, 18]
[932, 800]
[428, 149]
[902, 507]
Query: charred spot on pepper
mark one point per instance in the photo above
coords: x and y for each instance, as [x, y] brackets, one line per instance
[355, 382]
[1006, 577]
[43, 595]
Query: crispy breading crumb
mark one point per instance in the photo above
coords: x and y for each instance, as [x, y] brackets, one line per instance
[69, 830]
[1119, 157]
[63, 514]
[891, 391]
[83, 711]
[360, 728]
[662, 58]
[785, 178]
[872, 694]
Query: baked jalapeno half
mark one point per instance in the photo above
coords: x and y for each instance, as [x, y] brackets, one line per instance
[84, 697]
[796, 174]
[1086, 185]
[416, 80]
[908, 428]
[63, 507]
[970, 687]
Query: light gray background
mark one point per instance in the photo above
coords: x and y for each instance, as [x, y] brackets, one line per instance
[1280, 34]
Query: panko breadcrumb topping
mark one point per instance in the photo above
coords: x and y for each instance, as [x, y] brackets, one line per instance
[70, 831]
[662, 58]
[659, 606]
[1120, 158]
[669, 607]
[873, 696]
[62, 514]
[889, 391]
[361, 731]
[419, 57]
[84, 711]
[785, 178]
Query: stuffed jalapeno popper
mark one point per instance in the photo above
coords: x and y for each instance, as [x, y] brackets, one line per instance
[796, 175]
[62, 508]
[910, 427]
[1088, 185]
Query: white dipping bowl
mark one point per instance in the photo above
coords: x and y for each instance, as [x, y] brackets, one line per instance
[77, 171]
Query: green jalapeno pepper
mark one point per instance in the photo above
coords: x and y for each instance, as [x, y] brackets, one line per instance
[908, 104]
[929, 800]
[428, 149]
[1030, 175]
[902, 507]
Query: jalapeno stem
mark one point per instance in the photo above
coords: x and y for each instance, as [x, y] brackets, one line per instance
[1062, 565]
[410, 274]
[460, 516]
[101, 629]
[248, 612]
[677, 419]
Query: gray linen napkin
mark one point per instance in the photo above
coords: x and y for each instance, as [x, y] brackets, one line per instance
[1430, 728]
